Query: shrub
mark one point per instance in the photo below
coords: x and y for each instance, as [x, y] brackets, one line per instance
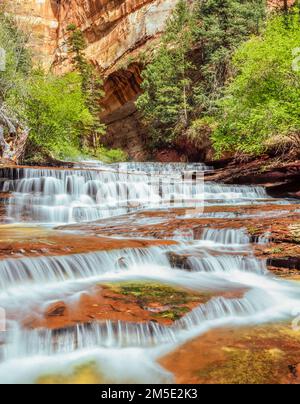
[261, 108]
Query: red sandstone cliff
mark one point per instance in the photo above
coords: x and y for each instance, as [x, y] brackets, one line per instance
[116, 31]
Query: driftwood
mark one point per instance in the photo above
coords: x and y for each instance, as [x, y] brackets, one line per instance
[14, 150]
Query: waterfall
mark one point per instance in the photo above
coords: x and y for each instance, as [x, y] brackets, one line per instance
[163, 168]
[68, 196]
[228, 264]
[214, 191]
[226, 236]
[124, 334]
[43, 270]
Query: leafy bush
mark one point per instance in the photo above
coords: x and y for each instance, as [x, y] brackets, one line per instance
[164, 103]
[199, 132]
[110, 155]
[57, 114]
[17, 60]
[261, 109]
[15, 69]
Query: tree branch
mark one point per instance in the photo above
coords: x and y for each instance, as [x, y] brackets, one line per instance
[15, 151]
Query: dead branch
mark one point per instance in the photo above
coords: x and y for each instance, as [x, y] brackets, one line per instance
[20, 133]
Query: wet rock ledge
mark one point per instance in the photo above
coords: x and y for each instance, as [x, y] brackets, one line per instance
[280, 179]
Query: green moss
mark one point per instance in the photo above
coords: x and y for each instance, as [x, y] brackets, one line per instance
[173, 301]
[83, 374]
[253, 230]
[276, 250]
[149, 292]
[243, 366]
[175, 314]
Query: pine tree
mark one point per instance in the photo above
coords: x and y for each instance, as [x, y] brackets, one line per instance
[223, 26]
[92, 85]
[164, 103]
[187, 76]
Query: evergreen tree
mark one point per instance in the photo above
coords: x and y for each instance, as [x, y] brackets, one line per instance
[164, 103]
[223, 26]
[188, 74]
[92, 85]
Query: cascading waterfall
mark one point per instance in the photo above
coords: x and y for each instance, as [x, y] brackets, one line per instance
[221, 260]
[215, 191]
[32, 282]
[67, 196]
[122, 334]
[227, 264]
[163, 168]
[226, 236]
[43, 270]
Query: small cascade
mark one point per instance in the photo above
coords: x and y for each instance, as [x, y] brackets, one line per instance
[60, 269]
[163, 168]
[66, 196]
[226, 236]
[220, 308]
[47, 270]
[264, 239]
[105, 334]
[118, 334]
[227, 263]
[233, 192]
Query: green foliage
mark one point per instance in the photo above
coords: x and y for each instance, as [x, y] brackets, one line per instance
[110, 155]
[164, 103]
[56, 113]
[60, 111]
[262, 104]
[223, 26]
[92, 85]
[187, 76]
[199, 132]
[13, 80]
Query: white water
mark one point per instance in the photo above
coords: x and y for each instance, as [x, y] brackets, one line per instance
[226, 236]
[221, 261]
[163, 168]
[67, 196]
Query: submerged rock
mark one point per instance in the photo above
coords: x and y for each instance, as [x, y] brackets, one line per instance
[131, 301]
[258, 355]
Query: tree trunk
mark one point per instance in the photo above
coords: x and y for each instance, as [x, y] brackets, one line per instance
[14, 151]
[3, 144]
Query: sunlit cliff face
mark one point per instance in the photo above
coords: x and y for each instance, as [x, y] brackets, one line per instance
[116, 32]
[39, 19]
[113, 28]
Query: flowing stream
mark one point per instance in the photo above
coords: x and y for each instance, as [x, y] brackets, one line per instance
[221, 259]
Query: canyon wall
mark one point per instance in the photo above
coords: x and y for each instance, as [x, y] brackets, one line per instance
[39, 19]
[116, 32]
